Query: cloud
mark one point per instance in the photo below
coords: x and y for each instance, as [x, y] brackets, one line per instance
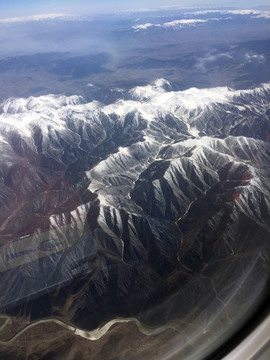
[211, 58]
[40, 17]
[241, 58]
[254, 58]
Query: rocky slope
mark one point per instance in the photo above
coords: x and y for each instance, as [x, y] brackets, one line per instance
[131, 208]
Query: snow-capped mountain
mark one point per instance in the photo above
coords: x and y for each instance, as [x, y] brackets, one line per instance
[202, 17]
[132, 197]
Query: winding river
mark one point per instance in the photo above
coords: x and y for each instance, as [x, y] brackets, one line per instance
[93, 335]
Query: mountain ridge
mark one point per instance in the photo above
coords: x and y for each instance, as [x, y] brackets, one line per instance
[132, 200]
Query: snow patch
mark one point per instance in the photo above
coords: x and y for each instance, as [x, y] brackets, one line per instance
[194, 131]
[123, 150]
[183, 22]
[142, 26]
[256, 13]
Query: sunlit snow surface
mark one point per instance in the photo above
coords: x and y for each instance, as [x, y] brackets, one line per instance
[116, 187]
[191, 22]
[134, 181]
[148, 101]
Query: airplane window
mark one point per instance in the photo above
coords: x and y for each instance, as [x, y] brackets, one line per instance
[134, 180]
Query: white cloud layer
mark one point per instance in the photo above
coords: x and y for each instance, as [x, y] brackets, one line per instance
[210, 58]
[254, 57]
[40, 17]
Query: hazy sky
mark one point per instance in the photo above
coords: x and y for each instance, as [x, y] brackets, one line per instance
[10, 8]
